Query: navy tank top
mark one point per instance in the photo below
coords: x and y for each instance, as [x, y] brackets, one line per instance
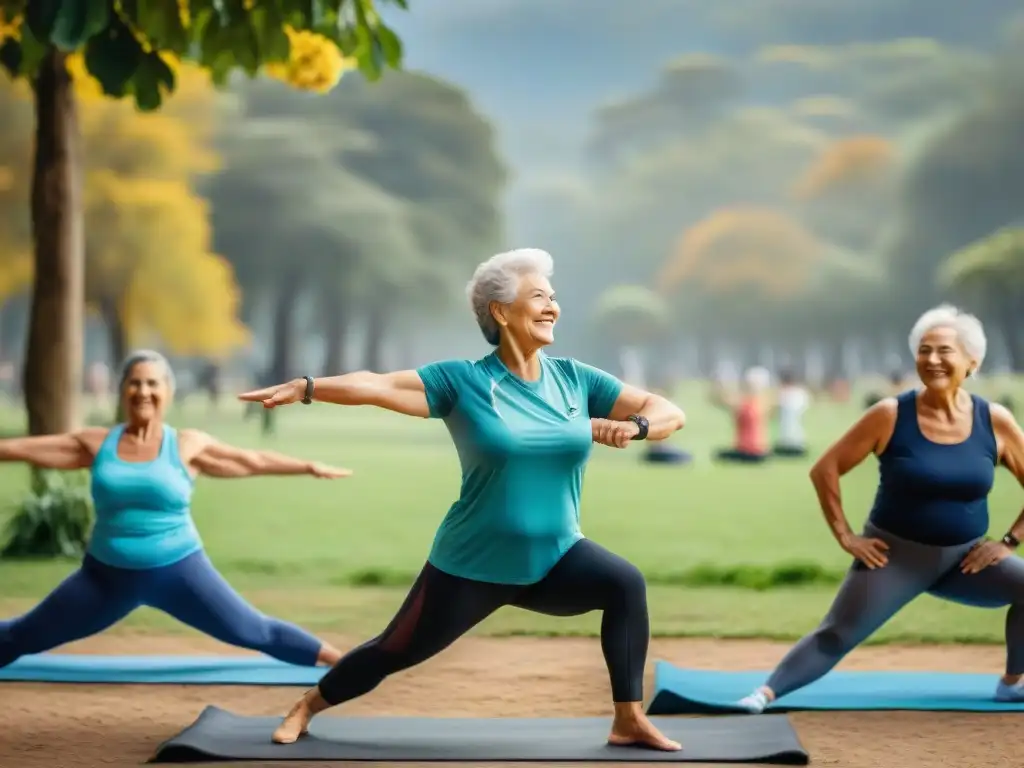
[933, 493]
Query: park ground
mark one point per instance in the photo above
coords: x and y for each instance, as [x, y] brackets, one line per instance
[738, 561]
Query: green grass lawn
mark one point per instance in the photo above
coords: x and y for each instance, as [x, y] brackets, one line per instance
[336, 555]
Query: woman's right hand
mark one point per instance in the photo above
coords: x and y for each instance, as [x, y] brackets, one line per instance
[279, 394]
[870, 551]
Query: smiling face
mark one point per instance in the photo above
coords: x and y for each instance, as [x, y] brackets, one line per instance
[942, 362]
[146, 392]
[531, 318]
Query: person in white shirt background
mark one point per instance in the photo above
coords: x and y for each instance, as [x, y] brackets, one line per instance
[791, 403]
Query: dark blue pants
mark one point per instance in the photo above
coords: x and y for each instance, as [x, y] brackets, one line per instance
[97, 595]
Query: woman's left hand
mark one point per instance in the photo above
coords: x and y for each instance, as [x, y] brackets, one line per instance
[984, 554]
[615, 434]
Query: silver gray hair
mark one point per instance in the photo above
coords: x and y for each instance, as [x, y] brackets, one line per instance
[969, 331]
[145, 356]
[497, 279]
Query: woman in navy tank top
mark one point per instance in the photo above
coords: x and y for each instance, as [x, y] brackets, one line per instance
[144, 548]
[938, 448]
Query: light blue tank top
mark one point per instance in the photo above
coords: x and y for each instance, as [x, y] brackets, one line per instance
[143, 509]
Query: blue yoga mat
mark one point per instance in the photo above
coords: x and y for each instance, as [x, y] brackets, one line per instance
[679, 691]
[169, 670]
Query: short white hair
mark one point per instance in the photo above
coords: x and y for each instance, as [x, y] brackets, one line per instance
[146, 356]
[969, 331]
[757, 378]
[497, 279]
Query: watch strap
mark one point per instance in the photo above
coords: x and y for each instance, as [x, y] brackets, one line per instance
[308, 398]
[642, 426]
[1010, 540]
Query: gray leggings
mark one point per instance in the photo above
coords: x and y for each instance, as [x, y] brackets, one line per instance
[869, 598]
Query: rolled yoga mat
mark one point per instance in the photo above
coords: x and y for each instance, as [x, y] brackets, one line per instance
[220, 735]
[680, 691]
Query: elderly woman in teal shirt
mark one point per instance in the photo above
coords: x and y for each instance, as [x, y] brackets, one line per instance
[523, 424]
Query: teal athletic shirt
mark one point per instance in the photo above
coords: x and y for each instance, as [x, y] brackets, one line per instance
[143, 508]
[523, 446]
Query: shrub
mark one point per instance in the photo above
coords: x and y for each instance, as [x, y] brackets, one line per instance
[54, 519]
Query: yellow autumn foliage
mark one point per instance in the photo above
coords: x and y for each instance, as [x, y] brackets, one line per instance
[148, 239]
[148, 251]
[741, 249]
[314, 64]
[9, 27]
[855, 160]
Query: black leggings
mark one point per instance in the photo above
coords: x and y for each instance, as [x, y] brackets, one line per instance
[440, 608]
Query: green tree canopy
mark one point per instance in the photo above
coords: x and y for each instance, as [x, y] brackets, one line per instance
[131, 48]
[126, 42]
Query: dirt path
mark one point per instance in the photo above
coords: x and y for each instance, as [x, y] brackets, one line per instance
[72, 726]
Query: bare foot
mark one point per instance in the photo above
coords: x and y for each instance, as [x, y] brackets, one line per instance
[328, 656]
[631, 727]
[296, 722]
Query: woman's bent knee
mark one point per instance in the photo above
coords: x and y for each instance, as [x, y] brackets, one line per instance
[628, 583]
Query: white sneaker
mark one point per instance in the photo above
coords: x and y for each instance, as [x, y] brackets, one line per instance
[1007, 692]
[755, 703]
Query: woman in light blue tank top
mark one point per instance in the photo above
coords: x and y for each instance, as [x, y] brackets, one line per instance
[144, 548]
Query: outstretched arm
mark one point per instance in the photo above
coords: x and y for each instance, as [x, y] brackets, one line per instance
[66, 451]
[723, 398]
[215, 459]
[402, 392]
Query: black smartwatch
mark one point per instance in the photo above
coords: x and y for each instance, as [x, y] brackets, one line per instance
[641, 424]
[309, 390]
[1011, 541]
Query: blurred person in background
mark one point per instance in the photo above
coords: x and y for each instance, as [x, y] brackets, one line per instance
[144, 549]
[791, 402]
[749, 409]
[937, 447]
[897, 382]
[524, 425]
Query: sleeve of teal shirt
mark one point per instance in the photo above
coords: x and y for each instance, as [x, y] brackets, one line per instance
[602, 390]
[440, 384]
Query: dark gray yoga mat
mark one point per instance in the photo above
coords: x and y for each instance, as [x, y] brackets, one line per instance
[220, 735]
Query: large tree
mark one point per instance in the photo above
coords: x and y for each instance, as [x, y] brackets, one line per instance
[966, 182]
[322, 229]
[127, 45]
[989, 273]
[403, 180]
[145, 226]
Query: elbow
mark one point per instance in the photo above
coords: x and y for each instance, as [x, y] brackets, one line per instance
[823, 469]
[666, 417]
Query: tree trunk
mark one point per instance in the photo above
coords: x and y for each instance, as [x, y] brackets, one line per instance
[282, 366]
[117, 341]
[1010, 322]
[376, 326]
[117, 336]
[338, 315]
[54, 353]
